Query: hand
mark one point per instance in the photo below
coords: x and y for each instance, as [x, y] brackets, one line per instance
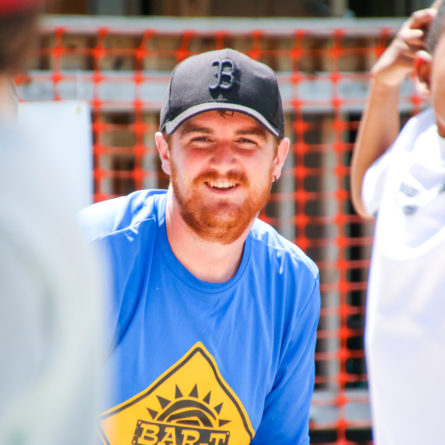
[397, 62]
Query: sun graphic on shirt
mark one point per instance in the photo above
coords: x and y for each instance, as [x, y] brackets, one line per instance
[188, 410]
[189, 404]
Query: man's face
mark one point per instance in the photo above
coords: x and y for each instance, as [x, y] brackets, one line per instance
[438, 84]
[222, 166]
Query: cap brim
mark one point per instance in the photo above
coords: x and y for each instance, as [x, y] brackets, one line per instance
[172, 125]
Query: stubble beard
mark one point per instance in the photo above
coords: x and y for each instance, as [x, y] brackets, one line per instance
[220, 221]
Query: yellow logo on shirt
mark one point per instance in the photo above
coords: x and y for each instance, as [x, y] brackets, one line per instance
[190, 404]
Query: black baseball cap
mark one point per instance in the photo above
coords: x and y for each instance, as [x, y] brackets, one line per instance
[223, 80]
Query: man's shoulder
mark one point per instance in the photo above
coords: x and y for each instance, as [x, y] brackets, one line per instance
[108, 217]
[414, 127]
[424, 118]
[281, 251]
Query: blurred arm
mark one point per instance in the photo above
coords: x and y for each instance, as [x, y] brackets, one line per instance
[380, 123]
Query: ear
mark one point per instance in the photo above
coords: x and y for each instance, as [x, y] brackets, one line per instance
[164, 153]
[282, 150]
[423, 65]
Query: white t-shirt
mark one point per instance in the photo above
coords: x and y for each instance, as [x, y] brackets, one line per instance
[405, 320]
[50, 305]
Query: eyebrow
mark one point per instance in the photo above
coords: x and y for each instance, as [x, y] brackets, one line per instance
[194, 129]
[257, 131]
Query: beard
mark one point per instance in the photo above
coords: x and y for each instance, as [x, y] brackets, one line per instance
[219, 221]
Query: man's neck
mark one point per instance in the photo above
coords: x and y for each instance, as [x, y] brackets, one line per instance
[208, 261]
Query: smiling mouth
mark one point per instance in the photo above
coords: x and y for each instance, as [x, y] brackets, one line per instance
[222, 185]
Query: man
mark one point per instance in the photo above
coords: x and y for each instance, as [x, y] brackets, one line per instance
[50, 307]
[215, 314]
[399, 179]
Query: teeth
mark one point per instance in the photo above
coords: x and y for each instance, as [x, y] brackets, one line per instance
[222, 184]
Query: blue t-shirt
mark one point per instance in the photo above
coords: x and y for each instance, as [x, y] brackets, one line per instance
[205, 363]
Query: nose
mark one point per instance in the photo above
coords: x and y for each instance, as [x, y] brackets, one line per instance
[223, 157]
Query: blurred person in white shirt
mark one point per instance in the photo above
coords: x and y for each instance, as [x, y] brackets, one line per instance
[50, 291]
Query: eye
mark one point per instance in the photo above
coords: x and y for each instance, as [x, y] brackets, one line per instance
[200, 141]
[247, 143]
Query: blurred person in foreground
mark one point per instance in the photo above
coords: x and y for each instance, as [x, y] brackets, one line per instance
[50, 296]
[400, 180]
[215, 314]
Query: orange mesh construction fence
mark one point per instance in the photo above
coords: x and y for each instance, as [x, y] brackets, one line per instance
[122, 71]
